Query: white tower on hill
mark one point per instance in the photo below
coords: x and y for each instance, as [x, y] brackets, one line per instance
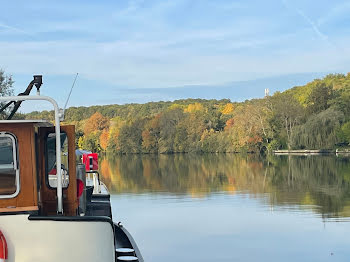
[267, 92]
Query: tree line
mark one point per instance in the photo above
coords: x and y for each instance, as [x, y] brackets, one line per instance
[312, 116]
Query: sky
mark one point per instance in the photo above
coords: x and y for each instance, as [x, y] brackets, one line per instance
[135, 51]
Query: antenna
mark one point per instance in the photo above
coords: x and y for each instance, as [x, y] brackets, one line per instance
[75, 79]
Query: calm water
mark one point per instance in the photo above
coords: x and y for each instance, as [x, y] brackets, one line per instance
[233, 207]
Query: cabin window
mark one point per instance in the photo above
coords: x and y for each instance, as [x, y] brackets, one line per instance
[51, 173]
[9, 171]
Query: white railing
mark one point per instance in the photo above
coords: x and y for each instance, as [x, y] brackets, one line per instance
[58, 139]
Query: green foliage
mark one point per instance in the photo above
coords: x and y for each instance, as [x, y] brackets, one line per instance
[6, 83]
[344, 133]
[130, 138]
[319, 98]
[287, 113]
[90, 142]
[274, 145]
[316, 115]
[6, 89]
[341, 100]
[319, 131]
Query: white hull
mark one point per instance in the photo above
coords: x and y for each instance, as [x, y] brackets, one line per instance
[57, 241]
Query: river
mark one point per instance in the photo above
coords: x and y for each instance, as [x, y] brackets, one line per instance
[231, 207]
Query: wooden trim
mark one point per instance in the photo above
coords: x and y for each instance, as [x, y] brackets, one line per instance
[48, 195]
[19, 209]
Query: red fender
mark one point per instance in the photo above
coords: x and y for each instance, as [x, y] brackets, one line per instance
[3, 248]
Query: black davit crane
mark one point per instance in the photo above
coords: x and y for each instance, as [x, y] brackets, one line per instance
[37, 82]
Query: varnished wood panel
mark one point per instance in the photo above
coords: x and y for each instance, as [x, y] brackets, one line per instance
[26, 156]
[19, 209]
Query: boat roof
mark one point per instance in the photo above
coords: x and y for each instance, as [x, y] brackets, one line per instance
[41, 123]
[80, 152]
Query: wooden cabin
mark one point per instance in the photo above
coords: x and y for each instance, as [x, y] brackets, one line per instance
[27, 168]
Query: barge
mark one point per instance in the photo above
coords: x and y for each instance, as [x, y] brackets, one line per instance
[53, 208]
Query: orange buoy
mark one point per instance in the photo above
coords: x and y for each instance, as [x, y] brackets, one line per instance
[3, 248]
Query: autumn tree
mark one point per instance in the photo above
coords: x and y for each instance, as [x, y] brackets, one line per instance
[167, 124]
[130, 137]
[261, 113]
[151, 134]
[191, 108]
[303, 116]
[245, 129]
[228, 109]
[214, 119]
[97, 122]
[215, 142]
[81, 142]
[229, 124]
[104, 138]
[116, 124]
[113, 141]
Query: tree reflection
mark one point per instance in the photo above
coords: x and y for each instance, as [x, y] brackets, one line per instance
[318, 183]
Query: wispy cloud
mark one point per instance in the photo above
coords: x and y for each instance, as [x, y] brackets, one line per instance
[311, 23]
[166, 43]
[144, 65]
[13, 29]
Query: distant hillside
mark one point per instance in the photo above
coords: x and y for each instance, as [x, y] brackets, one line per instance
[313, 116]
[123, 111]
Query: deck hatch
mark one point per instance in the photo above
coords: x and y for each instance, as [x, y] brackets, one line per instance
[9, 168]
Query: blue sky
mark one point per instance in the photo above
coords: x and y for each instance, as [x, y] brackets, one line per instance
[139, 51]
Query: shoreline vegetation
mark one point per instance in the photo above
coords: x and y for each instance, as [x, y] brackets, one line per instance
[315, 116]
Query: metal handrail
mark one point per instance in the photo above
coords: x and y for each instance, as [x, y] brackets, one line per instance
[58, 139]
[98, 179]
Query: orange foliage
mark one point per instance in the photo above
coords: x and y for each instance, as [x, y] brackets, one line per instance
[229, 123]
[255, 139]
[245, 128]
[96, 122]
[104, 138]
[155, 121]
[146, 139]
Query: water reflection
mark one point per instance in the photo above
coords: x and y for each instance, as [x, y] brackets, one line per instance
[317, 183]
